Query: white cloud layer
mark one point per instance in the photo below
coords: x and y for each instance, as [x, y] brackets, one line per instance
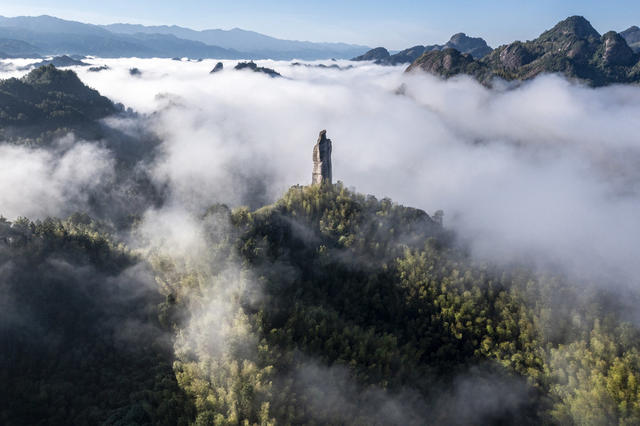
[547, 170]
[37, 183]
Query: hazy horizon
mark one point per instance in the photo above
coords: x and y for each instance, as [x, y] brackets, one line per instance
[394, 26]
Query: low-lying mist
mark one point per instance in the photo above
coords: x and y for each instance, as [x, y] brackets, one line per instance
[546, 170]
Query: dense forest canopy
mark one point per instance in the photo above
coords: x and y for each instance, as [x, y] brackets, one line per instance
[47, 99]
[327, 307]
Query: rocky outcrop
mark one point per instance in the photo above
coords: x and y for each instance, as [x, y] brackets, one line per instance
[572, 48]
[322, 160]
[446, 63]
[379, 54]
[515, 56]
[616, 51]
[219, 67]
[474, 46]
[99, 68]
[255, 68]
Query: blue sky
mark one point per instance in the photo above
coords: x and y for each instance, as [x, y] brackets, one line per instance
[393, 24]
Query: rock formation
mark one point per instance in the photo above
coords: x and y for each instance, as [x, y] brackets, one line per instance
[616, 51]
[322, 160]
[219, 67]
[99, 68]
[446, 63]
[377, 54]
[255, 68]
[474, 46]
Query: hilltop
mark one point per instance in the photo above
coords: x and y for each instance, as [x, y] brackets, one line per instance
[47, 99]
[326, 292]
[572, 48]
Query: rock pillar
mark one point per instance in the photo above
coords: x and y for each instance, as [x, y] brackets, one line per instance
[322, 160]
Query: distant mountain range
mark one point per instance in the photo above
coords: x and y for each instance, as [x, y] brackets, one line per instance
[573, 48]
[474, 46]
[253, 43]
[17, 48]
[47, 35]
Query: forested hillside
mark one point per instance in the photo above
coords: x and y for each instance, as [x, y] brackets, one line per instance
[81, 343]
[326, 307]
[332, 307]
[49, 99]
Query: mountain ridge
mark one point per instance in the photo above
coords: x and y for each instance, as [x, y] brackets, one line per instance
[235, 38]
[475, 46]
[53, 35]
[572, 48]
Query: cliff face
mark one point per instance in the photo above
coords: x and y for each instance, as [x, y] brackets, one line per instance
[322, 160]
[448, 63]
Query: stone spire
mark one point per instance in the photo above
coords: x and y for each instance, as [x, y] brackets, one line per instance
[322, 160]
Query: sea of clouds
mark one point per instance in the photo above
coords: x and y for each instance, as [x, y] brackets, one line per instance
[544, 170]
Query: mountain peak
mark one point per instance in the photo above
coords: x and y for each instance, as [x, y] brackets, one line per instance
[458, 37]
[48, 78]
[49, 74]
[616, 51]
[573, 25]
[376, 54]
[475, 46]
[48, 99]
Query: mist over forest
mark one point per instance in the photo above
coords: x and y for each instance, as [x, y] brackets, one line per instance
[165, 260]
